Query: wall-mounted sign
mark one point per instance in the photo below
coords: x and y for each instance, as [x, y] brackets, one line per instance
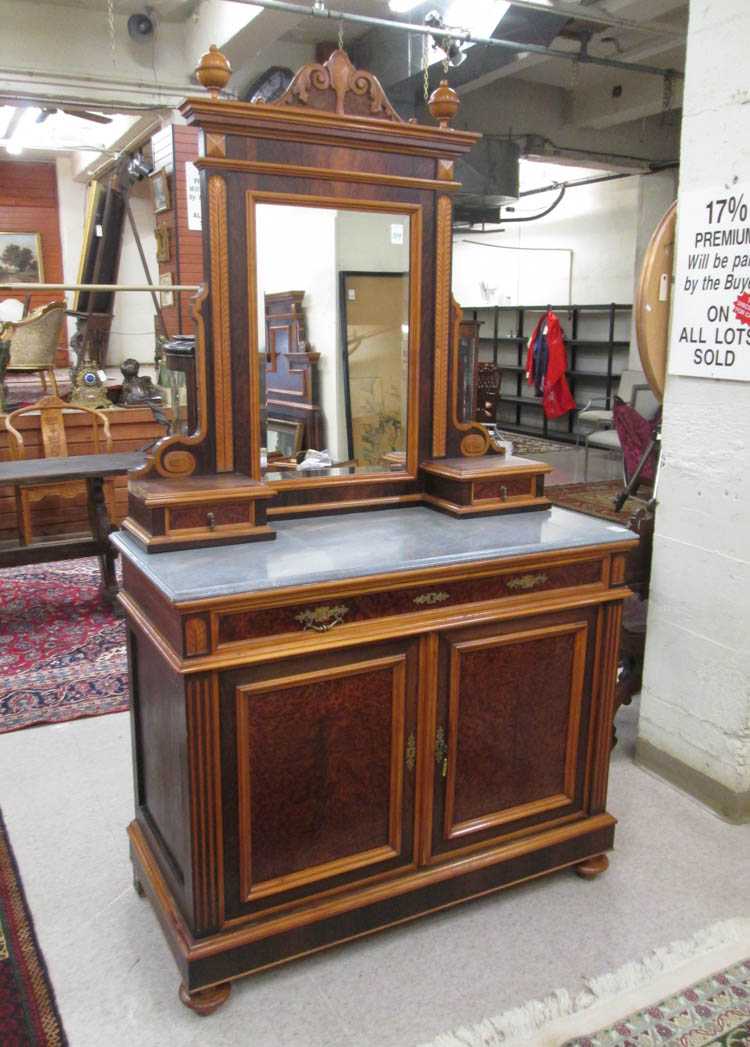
[193, 182]
[711, 318]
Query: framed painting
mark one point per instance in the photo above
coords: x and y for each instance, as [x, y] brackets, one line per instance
[163, 246]
[21, 258]
[284, 437]
[160, 190]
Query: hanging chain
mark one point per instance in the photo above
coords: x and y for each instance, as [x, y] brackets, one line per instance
[111, 22]
[446, 63]
[426, 67]
[341, 34]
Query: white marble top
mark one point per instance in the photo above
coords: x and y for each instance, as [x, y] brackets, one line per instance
[329, 548]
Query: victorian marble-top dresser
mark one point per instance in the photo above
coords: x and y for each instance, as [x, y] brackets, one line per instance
[366, 693]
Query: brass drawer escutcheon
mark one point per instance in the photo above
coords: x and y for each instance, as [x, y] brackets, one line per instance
[411, 753]
[431, 598]
[321, 619]
[526, 581]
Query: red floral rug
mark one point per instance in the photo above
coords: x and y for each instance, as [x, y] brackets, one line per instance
[62, 648]
[28, 1012]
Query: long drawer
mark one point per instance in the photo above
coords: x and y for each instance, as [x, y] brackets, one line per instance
[239, 624]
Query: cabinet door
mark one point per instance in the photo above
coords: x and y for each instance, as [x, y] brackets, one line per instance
[320, 754]
[512, 722]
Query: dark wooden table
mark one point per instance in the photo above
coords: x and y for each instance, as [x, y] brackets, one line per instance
[91, 468]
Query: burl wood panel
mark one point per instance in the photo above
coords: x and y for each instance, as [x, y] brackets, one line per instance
[317, 782]
[246, 625]
[514, 704]
[511, 717]
[319, 764]
[513, 485]
[197, 516]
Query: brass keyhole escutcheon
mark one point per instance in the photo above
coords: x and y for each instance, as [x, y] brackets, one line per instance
[211, 521]
[441, 751]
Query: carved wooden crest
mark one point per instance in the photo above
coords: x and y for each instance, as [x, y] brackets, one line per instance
[337, 87]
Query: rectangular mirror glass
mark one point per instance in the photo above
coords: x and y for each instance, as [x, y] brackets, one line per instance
[333, 290]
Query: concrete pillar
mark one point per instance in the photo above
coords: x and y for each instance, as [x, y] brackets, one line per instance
[695, 718]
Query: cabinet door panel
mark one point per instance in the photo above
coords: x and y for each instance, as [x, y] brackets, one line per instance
[324, 794]
[513, 709]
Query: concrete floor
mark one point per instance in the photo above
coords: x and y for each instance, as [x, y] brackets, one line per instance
[567, 466]
[67, 796]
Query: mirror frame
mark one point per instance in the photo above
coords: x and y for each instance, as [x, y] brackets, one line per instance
[336, 203]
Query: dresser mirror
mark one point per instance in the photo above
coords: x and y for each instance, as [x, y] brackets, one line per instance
[356, 265]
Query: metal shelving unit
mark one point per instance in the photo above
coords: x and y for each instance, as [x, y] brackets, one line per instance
[585, 377]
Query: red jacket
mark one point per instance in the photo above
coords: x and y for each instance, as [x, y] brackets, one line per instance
[557, 397]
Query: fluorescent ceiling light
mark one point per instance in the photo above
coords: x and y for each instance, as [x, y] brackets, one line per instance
[479, 17]
[7, 112]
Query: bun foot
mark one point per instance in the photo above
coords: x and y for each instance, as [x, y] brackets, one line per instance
[206, 1001]
[138, 888]
[592, 867]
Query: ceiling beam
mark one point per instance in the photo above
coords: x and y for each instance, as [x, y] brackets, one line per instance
[597, 17]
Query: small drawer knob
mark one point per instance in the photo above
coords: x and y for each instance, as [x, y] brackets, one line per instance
[211, 521]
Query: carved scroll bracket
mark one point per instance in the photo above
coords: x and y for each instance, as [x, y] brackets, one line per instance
[173, 456]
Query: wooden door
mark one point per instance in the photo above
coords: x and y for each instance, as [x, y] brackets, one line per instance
[320, 760]
[513, 711]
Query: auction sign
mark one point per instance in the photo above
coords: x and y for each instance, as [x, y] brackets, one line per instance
[711, 317]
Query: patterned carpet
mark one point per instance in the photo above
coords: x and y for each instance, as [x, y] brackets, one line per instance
[528, 446]
[62, 649]
[28, 1012]
[595, 499]
[713, 1011]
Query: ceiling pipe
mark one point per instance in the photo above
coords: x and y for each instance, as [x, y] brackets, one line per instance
[319, 10]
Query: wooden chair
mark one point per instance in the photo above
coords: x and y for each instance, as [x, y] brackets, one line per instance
[55, 445]
[34, 342]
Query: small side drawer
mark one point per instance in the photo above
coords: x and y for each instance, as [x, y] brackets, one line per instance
[504, 490]
[208, 516]
[328, 613]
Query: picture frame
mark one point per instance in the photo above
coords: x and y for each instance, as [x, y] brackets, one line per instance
[160, 191]
[284, 437]
[21, 258]
[166, 297]
[163, 243]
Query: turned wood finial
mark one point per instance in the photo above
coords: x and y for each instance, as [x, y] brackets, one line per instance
[213, 71]
[444, 103]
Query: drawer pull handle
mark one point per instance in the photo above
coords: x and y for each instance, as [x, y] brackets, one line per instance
[211, 521]
[441, 752]
[411, 752]
[526, 581]
[431, 598]
[321, 619]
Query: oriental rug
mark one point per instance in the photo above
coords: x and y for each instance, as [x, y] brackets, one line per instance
[527, 446]
[62, 648]
[595, 499]
[691, 993]
[28, 1012]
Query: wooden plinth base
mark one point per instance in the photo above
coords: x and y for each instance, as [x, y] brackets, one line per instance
[206, 1001]
[592, 867]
